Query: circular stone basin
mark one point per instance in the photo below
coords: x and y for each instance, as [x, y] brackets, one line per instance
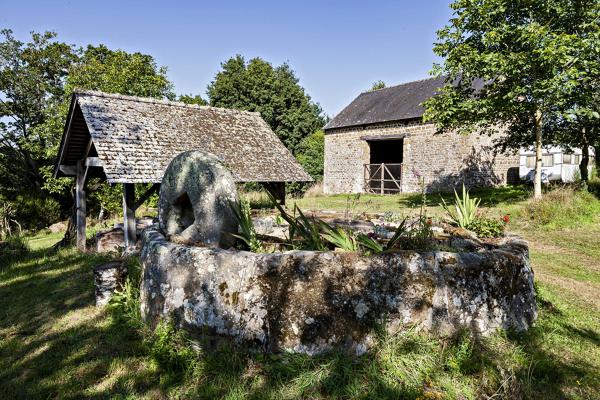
[312, 302]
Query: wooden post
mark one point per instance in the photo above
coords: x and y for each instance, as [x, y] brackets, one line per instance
[277, 189]
[80, 205]
[382, 178]
[129, 215]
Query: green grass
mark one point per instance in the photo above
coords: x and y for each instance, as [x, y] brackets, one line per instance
[55, 344]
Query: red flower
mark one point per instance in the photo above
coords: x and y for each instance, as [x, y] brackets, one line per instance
[429, 221]
[506, 218]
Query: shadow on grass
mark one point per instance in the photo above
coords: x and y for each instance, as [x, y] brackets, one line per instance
[490, 197]
[53, 342]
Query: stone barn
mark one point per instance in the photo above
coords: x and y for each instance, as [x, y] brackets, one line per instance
[128, 140]
[380, 144]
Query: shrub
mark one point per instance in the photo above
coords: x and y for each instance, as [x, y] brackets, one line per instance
[13, 247]
[341, 238]
[487, 227]
[36, 213]
[593, 186]
[562, 207]
[310, 154]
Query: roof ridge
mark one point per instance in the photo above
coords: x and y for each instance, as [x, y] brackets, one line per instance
[153, 100]
[403, 84]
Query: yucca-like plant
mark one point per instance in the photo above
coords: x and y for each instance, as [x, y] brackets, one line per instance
[308, 230]
[465, 208]
[339, 237]
[241, 211]
[370, 244]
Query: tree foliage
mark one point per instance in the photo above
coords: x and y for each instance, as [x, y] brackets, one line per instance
[32, 77]
[274, 92]
[192, 99]
[36, 82]
[116, 71]
[311, 154]
[511, 65]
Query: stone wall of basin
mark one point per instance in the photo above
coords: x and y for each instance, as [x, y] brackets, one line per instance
[312, 302]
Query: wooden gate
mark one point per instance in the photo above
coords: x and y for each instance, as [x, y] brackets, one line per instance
[383, 178]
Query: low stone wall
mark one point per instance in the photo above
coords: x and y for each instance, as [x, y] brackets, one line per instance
[311, 302]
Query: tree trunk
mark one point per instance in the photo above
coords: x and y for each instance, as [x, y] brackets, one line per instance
[68, 239]
[585, 158]
[537, 180]
[597, 157]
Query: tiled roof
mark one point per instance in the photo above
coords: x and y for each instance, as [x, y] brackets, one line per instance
[136, 138]
[395, 103]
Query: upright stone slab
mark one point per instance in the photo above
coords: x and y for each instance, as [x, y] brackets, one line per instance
[194, 201]
[108, 277]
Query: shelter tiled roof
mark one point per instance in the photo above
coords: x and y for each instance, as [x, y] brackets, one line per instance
[135, 139]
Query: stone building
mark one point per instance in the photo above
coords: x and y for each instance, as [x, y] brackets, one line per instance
[379, 144]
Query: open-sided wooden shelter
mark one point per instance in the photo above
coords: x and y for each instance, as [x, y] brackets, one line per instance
[128, 140]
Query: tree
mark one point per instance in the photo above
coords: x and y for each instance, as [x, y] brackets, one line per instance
[116, 71]
[311, 154]
[32, 77]
[511, 67]
[191, 99]
[377, 85]
[274, 92]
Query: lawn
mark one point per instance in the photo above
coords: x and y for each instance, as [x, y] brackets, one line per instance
[55, 344]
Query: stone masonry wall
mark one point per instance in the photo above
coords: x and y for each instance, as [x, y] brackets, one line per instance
[445, 161]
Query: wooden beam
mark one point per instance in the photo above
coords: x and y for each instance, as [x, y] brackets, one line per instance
[64, 141]
[151, 190]
[69, 170]
[129, 215]
[277, 189]
[80, 204]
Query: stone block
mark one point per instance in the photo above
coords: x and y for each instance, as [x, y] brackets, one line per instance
[312, 302]
[108, 278]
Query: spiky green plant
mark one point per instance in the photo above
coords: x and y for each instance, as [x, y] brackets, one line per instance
[371, 245]
[465, 208]
[400, 231]
[339, 237]
[241, 211]
[304, 232]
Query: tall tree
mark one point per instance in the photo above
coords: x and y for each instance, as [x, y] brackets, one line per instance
[116, 71]
[511, 67]
[274, 92]
[32, 77]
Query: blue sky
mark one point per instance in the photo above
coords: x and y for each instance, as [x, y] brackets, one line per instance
[336, 48]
